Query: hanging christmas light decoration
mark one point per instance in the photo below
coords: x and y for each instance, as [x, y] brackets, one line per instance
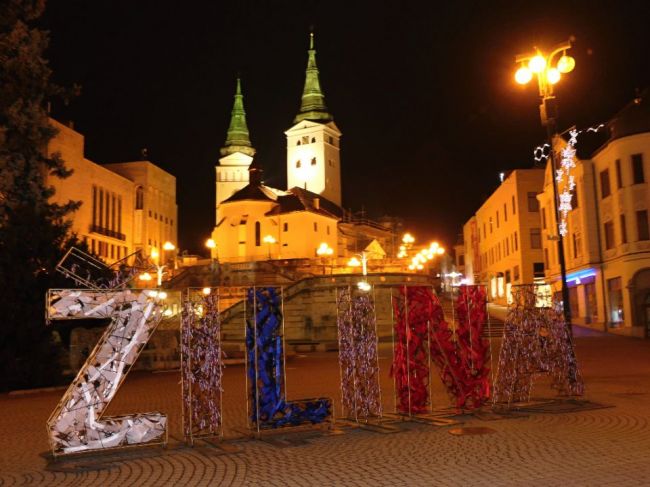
[564, 176]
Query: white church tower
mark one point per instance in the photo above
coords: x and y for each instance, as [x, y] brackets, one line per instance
[313, 143]
[237, 153]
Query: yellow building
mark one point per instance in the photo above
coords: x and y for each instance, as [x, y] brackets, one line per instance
[257, 222]
[607, 244]
[114, 199]
[503, 242]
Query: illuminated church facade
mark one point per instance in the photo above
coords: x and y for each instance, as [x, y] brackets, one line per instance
[258, 222]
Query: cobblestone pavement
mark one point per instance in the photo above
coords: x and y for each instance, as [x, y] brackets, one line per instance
[607, 446]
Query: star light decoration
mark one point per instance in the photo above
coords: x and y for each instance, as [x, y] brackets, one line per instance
[563, 175]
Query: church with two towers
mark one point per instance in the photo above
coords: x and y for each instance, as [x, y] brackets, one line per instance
[258, 222]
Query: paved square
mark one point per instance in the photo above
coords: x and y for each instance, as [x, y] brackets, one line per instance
[609, 446]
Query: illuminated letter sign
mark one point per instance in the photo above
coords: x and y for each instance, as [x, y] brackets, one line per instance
[76, 425]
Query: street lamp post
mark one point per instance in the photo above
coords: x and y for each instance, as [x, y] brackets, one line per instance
[324, 251]
[363, 285]
[269, 240]
[548, 74]
[211, 245]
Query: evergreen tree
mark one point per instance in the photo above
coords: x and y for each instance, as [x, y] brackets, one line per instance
[33, 231]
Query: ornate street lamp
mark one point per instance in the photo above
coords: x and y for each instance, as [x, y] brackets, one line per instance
[549, 69]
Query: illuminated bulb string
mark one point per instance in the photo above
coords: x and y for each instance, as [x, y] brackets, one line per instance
[563, 175]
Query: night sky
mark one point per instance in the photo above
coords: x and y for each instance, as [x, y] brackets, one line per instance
[422, 91]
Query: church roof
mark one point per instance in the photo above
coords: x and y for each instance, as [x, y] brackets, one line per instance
[313, 105]
[298, 199]
[255, 192]
[238, 138]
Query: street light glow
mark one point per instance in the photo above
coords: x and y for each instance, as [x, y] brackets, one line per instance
[324, 249]
[553, 75]
[269, 239]
[206, 291]
[523, 75]
[537, 63]
[566, 64]
[354, 262]
[168, 246]
[210, 243]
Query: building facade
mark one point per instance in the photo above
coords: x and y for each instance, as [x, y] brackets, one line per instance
[503, 241]
[115, 200]
[257, 222]
[607, 245]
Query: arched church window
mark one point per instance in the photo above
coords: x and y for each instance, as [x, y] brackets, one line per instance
[297, 164]
[298, 143]
[313, 140]
[331, 140]
[139, 198]
[258, 231]
[313, 161]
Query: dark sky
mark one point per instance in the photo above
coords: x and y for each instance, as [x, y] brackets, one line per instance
[422, 91]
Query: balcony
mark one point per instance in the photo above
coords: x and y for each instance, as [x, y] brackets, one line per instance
[106, 232]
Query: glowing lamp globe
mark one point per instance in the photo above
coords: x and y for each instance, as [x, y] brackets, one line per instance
[553, 76]
[523, 75]
[566, 64]
[537, 64]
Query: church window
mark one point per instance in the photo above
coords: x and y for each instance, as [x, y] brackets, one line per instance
[297, 164]
[331, 140]
[328, 229]
[298, 143]
[258, 231]
[305, 139]
[285, 227]
[139, 198]
[313, 161]
[313, 140]
[315, 226]
[329, 163]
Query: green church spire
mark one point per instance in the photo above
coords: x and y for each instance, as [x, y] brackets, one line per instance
[238, 138]
[313, 100]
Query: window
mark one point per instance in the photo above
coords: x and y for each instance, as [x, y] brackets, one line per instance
[298, 164]
[328, 229]
[139, 198]
[642, 225]
[497, 218]
[305, 139]
[119, 215]
[315, 226]
[331, 140]
[574, 198]
[637, 168]
[285, 227]
[515, 273]
[516, 243]
[507, 247]
[330, 163]
[604, 184]
[609, 235]
[461, 260]
[313, 161]
[615, 291]
[619, 175]
[298, 143]
[535, 238]
[505, 213]
[546, 261]
[514, 208]
[313, 140]
[484, 234]
[576, 245]
[258, 231]
[490, 224]
[538, 269]
[544, 218]
[94, 205]
[623, 230]
[101, 207]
